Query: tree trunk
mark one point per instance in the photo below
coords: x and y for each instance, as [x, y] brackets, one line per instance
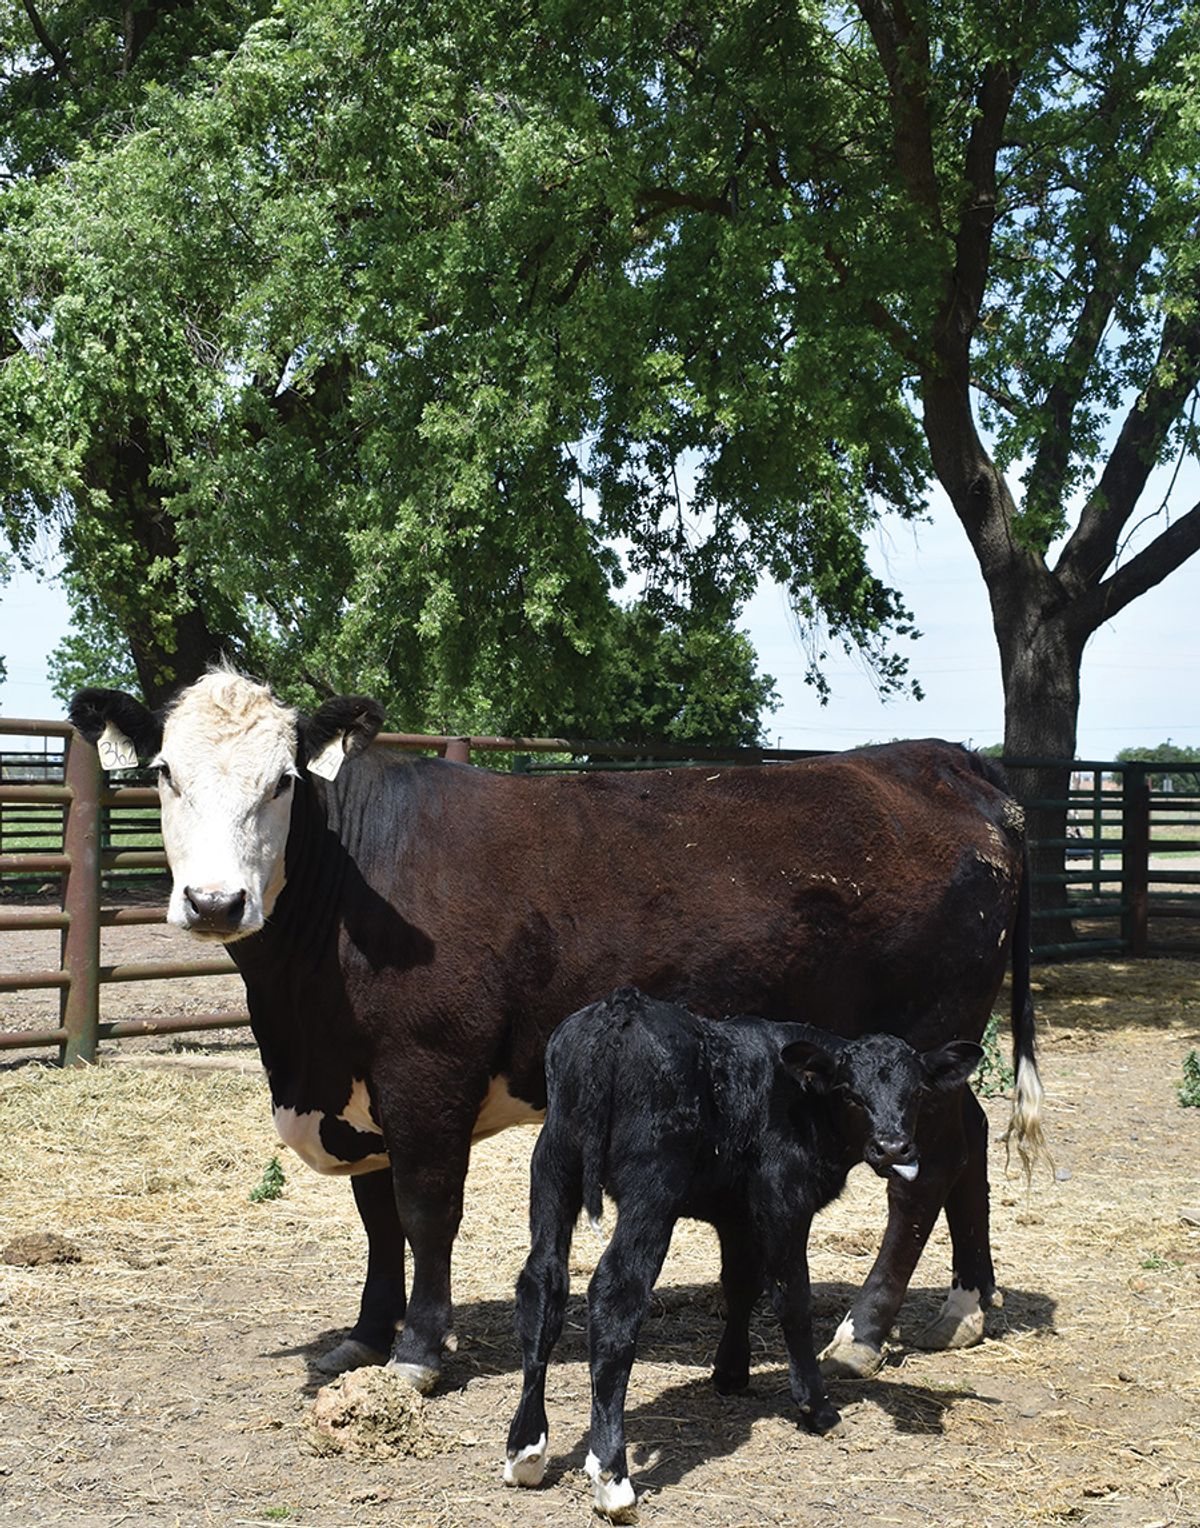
[163, 607]
[1040, 657]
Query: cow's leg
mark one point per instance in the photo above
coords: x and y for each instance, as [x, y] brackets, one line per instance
[617, 1299]
[856, 1350]
[792, 1299]
[555, 1199]
[381, 1311]
[959, 1323]
[429, 1169]
[741, 1283]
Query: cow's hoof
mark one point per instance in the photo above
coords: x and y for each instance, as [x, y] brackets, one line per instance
[959, 1323]
[727, 1382]
[349, 1354]
[528, 1467]
[420, 1376]
[847, 1358]
[614, 1499]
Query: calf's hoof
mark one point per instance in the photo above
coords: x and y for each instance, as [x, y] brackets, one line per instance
[823, 1418]
[614, 1499]
[422, 1377]
[959, 1323]
[731, 1381]
[527, 1467]
[349, 1354]
[847, 1358]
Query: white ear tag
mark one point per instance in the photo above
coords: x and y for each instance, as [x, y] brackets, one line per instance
[330, 759]
[116, 751]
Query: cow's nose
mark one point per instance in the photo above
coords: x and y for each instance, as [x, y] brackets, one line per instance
[209, 911]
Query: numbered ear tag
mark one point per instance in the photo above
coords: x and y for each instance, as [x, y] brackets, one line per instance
[330, 759]
[115, 749]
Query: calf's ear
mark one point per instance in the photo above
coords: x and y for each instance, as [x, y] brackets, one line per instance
[341, 728]
[810, 1064]
[92, 712]
[950, 1065]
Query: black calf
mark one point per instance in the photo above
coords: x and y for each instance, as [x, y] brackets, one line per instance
[747, 1124]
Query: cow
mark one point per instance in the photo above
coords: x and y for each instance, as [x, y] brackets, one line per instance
[410, 931]
[747, 1124]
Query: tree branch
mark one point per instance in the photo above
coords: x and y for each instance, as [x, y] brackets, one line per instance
[61, 61]
[1165, 553]
[658, 199]
[1176, 373]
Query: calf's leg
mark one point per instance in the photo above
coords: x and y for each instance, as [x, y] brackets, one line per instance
[793, 1304]
[555, 1198]
[381, 1311]
[617, 1299]
[741, 1283]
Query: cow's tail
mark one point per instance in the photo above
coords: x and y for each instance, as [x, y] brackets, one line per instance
[1025, 1125]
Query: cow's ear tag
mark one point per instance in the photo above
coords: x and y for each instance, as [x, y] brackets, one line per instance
[115, 749]
[330, 759]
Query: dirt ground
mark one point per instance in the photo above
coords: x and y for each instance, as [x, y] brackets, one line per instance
[167, 1376]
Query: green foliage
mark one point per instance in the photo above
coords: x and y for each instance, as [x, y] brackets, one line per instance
[356, 338]
[1167, 753]
[1189, 1093]
[270, 1185]
[993, 1077]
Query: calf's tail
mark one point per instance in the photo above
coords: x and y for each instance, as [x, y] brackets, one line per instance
[1025, 1124]
[596, 1105]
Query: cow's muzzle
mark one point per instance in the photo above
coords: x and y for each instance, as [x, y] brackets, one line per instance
[207, 911]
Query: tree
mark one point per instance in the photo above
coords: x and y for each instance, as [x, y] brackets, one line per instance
[252, 466]
[1185, 780]
[457, 300]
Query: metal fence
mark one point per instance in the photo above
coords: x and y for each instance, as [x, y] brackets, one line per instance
[1129, 881]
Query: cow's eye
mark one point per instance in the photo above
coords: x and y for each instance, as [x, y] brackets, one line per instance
[284, 785]
[164, 775]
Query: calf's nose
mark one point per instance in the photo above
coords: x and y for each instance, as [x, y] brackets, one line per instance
[896, 1154]
[213, 911]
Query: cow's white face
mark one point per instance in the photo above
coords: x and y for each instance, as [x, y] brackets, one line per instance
[226, 770]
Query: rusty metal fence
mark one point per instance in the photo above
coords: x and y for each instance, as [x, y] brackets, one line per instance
[1111, 889]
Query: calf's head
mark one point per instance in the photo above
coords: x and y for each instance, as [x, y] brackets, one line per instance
[879, 1083]
[228, 756]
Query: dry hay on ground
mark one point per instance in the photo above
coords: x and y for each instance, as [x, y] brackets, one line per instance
[167, 1377]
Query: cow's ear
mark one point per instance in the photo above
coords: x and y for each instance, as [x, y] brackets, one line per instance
[341, 728]
[950, 1065]
[95, 714]
[810, 1064]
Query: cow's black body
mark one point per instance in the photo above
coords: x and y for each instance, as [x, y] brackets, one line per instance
[747, 1124]
[439, 921]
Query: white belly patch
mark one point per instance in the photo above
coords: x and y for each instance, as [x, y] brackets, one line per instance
[500, 1109]
[301, 1130]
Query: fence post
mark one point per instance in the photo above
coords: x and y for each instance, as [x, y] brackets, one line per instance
[81, 901]
[1135, 860]
[458, 750]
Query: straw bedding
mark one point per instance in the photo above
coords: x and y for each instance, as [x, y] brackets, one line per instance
[166, 1376]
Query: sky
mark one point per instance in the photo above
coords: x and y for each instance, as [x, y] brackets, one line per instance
[1141, 673]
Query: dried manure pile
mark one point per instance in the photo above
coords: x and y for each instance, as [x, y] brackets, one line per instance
[158, 1329]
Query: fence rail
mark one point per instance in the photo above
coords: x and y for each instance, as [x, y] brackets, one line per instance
[60, 821]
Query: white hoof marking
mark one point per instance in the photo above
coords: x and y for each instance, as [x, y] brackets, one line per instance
[847, 1358]
[528, 1467]
[420, 1377]
[959, 1323]
[616, 1499]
